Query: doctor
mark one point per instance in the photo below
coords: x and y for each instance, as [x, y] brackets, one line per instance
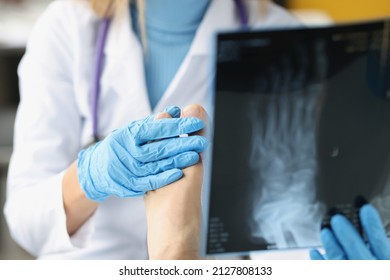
[66, 204]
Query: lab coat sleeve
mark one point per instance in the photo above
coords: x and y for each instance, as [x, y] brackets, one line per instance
[47, 136]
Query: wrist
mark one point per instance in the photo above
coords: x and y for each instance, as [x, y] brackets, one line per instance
[86, 182]
[76, 205]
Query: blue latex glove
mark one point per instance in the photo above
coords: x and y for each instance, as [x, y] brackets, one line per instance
[130, 162]
[343, 242]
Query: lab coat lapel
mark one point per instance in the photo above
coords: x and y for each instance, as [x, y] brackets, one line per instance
[123, 76]
[191, 82]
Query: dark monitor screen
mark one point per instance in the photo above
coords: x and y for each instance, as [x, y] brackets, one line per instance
[301, 127]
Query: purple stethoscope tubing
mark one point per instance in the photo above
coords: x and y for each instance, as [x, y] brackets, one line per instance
[101, 41]
[242, 13]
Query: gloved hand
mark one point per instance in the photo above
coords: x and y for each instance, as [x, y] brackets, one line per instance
[343, 242]
[130, 161]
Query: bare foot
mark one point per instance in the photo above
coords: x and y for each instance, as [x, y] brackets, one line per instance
[174, 212]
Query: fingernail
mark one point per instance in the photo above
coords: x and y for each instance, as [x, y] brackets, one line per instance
[176, 175]
[197, 124]
[174, 111]
[326, 221]
[359, 201]
[205, 142]
[193, 158]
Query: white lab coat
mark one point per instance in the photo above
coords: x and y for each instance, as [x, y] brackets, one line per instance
[54, 122]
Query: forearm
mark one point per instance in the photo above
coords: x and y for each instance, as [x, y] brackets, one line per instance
[78, 208]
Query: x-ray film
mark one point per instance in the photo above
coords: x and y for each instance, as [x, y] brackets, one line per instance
[301, 129]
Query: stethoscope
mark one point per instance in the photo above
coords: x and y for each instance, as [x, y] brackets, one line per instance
[101, 41]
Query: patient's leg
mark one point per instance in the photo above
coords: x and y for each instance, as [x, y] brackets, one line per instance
[174, 212]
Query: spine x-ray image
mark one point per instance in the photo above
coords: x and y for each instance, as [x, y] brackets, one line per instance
[301, 128]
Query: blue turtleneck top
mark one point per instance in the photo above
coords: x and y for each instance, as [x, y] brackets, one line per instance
[171, 26]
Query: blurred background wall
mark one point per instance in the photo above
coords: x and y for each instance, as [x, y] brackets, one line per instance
[17, 18]
[344, 10]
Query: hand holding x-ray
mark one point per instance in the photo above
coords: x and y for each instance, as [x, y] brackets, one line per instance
[343, 242]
